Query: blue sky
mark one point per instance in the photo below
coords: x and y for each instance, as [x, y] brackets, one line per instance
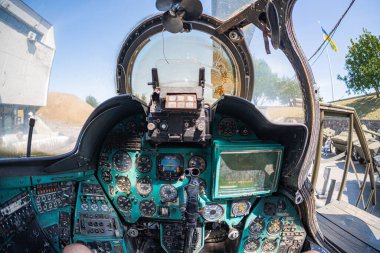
[89, 34]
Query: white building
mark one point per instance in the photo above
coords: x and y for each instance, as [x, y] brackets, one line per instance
[27, 49]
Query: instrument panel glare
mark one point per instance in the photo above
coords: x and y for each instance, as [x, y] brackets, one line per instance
[123, 184]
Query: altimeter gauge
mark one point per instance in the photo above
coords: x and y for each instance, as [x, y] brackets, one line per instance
[213, 212]
[274, 227]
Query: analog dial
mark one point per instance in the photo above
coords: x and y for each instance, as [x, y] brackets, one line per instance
[213, 212]
[124, 203]
[168, 193]
[122, 161]
[144, 164]
[144, 186]
[147, 208]
[240, 208]
[131, 128]
[227, 127]
[251, 245]
[123, 184]
[197, 162]
[106, 176]
[274, 227]
[257, 226]
[269, 245]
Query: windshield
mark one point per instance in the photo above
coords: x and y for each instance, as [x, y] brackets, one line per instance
[58, 59]
[178, 58]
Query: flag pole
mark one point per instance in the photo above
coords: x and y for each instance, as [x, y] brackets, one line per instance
[331, 79]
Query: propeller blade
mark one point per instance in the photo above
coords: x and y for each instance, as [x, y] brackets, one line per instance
[171, 23]
[192, 8]
[165, 5]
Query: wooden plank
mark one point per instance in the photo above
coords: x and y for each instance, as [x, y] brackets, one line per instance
[343, 240]
[354, 221]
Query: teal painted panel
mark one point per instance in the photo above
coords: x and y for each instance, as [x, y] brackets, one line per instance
[57, 178]
[14, 182]
[273, 226]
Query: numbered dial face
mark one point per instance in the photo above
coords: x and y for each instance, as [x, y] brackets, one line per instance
[123, 184]
[168, 193]
[269, 245]
[274, 227]
[202, 186]
[227, 127]
[197, 162]
[131, 128]
[106, 176]
[240, 208]
[147, 208]
[122, 161]
[124, 203]
[213, 212]
[144, 164]
[251, 245]
[257, 226]
[144, 186]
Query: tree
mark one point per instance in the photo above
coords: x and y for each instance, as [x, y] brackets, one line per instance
[265, 81]
[288, 90]
[91, 100]
[363, 64]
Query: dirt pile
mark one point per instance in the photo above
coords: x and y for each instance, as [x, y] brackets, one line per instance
[65, 108]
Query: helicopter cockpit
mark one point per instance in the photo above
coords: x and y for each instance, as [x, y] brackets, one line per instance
[180, 160]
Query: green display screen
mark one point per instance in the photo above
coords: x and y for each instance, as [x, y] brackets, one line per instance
[248, 172]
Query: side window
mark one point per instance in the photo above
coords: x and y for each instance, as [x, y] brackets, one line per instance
[277, 91]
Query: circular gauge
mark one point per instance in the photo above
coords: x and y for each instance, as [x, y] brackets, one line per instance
[269, 245]
[168, 193]
[94, 207]
[202, 186]
[197, 162]
[131, 128]
[227, 127]
[257, 226]
[251, 245]
[104, 208]
[123, 184]
[84, 206]
[213, 212]
[269, 209]
[147, 208]
[244, 131]
[274, 227]
[124, 203]
[240, 208]
[144, 164]
[122, 161]
[106, 176]
[144, 186]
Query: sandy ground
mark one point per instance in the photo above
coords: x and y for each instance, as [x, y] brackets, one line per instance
[351, 190]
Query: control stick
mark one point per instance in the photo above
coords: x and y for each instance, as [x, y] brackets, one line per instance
[192, 207]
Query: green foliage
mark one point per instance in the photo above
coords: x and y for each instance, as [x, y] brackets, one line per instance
[91, 100]
[363, 64]
[269, 87]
